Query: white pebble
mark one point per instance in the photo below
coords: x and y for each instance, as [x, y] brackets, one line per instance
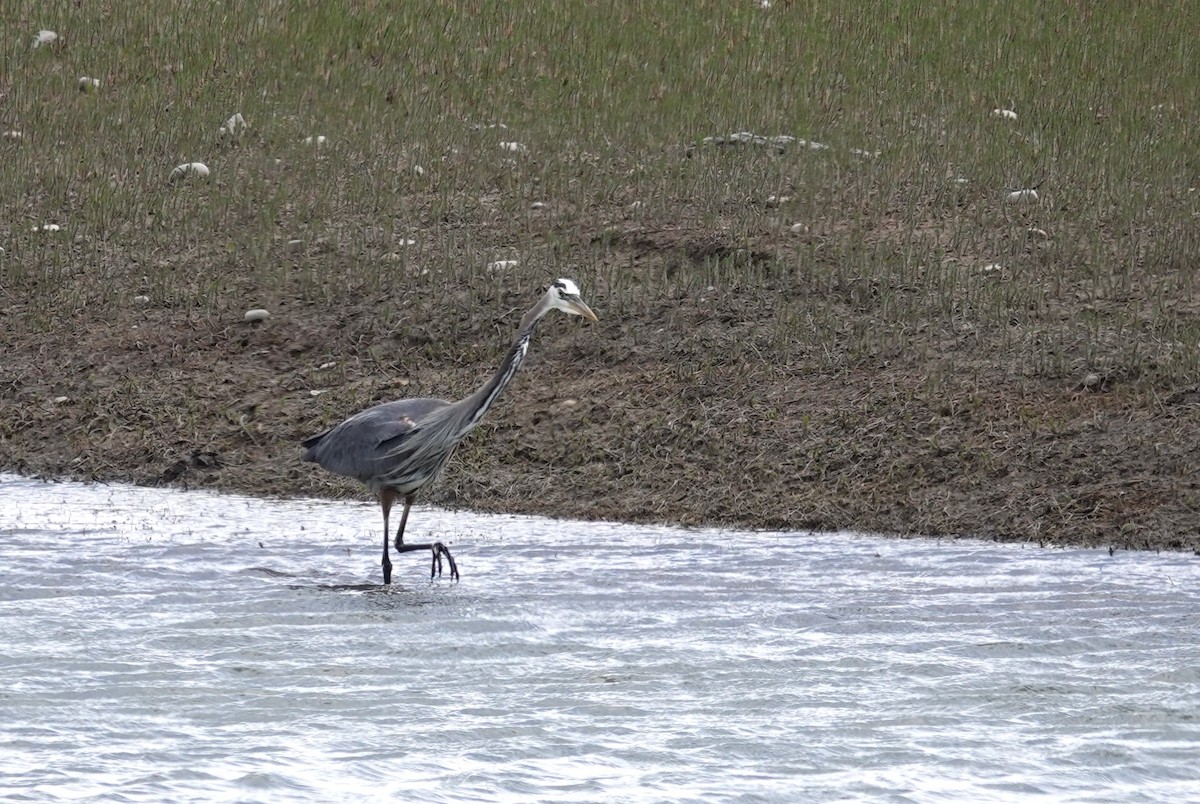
[1006, 114]
[61, 400]
[87, 84]
[318, 140]
[538, 205]
[1021, 196]
[992, 267]
[514, 147]
[141, 299]
[500, 265]
[776, 200]
[317, 391]
[190, 169]
[234, 126]
[798, 228]
[328, 365]
[256, 315]
[45, 38]
[1092, 380]
[14, 135]
[47, 227]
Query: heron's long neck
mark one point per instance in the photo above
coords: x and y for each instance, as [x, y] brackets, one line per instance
[474, 407]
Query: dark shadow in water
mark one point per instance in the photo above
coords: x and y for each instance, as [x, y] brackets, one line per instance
[274, 573]
[395, 593]
[345, 587]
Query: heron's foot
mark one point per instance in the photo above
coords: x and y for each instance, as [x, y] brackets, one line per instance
[437, 552]
[438, 549]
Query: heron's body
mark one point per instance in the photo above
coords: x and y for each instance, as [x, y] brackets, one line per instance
[360, 446]
[398, 448]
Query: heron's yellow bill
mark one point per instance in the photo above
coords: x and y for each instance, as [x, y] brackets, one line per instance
[583, 310]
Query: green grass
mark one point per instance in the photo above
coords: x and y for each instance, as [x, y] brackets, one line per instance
[607, 98]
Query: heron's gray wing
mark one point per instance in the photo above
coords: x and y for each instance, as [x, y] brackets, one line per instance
[355, 447]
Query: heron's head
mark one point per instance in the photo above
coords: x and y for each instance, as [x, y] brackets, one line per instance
[564, 294]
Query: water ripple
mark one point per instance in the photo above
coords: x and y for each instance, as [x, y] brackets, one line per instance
[189, 646]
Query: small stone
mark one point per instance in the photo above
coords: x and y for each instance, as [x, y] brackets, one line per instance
[141, 299]
[1006, 114]
[61, 400]
[1022, 196]
[538, 205]
[513, 147]
[318, 140]
[198, 169]
[87, 84]
[13, 135]
[1092, 380]
[798, 228]
[235, 126]
[256, 314]
[44, 38]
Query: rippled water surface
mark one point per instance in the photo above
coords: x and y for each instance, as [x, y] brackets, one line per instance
[161, 645]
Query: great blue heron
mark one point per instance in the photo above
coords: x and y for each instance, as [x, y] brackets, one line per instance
[398, 448]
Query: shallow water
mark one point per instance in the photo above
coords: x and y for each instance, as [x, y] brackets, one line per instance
[162, 645]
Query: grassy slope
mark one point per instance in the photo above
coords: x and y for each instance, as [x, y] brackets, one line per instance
[914, 359]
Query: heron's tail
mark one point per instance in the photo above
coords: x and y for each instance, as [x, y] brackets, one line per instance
[311, 443]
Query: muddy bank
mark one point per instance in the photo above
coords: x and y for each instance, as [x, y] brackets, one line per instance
[689, 409]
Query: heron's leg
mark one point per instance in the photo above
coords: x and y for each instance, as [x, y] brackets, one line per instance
[408, 501]
[386, 498]
[436, 549]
